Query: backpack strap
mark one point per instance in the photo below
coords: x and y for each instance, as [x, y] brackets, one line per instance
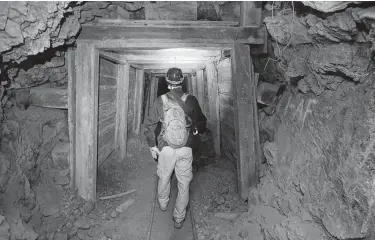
[180, 102]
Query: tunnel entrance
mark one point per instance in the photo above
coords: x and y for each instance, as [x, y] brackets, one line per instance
[219, 94]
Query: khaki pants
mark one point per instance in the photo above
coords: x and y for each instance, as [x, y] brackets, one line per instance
[179, 160]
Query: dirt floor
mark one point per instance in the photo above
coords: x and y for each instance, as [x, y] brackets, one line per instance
[64, 215]
[215, 201]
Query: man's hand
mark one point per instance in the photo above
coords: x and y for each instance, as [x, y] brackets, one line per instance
[154, 152]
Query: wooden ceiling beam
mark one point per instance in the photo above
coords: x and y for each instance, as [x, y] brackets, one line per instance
[163, 65]
[174, 34]
[164, 61]
[142, 44]
[165, 70]
[167, 23]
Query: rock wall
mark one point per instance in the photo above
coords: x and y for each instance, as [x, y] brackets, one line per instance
[318, 181]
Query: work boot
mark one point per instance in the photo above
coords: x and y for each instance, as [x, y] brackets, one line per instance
[178, 225]
[163, 208]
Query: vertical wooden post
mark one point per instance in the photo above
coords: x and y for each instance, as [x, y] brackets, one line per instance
[189, 84]
[194, 83]
[256, 125]
[139, 85]
[200, 88]
[87, 59]
[153, 90]
[214, 106]
[244, 103]
[250, 13]
[121, 133]
[72, 113]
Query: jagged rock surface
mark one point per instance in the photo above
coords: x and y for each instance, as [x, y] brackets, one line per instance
[28, 28]
[325, 165]
[328, 6]
[336, 28]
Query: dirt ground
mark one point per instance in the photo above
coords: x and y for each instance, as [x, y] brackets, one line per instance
[67, 216]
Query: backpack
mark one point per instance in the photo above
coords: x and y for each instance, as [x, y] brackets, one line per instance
[175, 123]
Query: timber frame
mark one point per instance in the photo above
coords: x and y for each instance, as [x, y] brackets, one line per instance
[113, 35]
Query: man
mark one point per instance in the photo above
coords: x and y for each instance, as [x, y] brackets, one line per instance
[174, 157]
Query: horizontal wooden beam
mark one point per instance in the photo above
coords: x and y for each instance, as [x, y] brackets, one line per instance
[164, 71]
[163, 65]
[163, 61]
[114, 57]
[136, 65]
[142, 44]
[49, 97]
[165, 23]
[203, 34]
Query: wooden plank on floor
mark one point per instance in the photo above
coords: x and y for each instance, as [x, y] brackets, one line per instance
[243, 79]
[121, 133]
[139, 88]
[71, 113]
[214, 106]
[87, 67]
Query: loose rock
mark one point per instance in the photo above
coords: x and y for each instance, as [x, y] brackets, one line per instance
[72, 232]
[88, 207]
[95, 231]
[50, 211]
[59, 180]
[61, 236]
[108, 233]
[82, 224]
[114, 214]
[82, 234]
[226, 216]
[125, 205]
[219, 199]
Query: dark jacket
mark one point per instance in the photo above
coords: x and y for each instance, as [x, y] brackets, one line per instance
[193, 110]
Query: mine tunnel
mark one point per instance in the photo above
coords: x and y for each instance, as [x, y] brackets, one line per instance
[287, 90]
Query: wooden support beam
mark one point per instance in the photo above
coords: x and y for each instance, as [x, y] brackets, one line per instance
[174, 34]
[121, 132]
[70, 60]
[194, 83]
[250, 13]
[49, 97]
[138, 101]
[155, 44]
[114, 57]
[244, 104]
[136, 65]
[189, 84]
[23, 100]
[167, 65]
[214, 106]
[166, 23]
[153, 89]
[258, 151]
[87, 67]
[166, 61]
[165, 70]
[200, 88]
